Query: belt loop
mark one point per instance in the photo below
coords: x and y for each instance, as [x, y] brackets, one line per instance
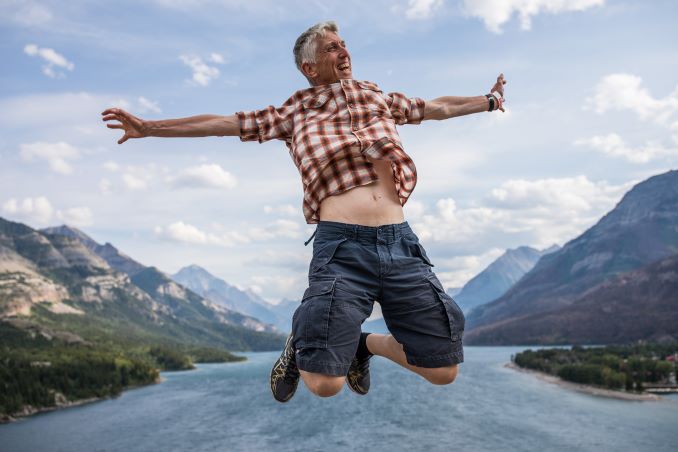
[311, 238]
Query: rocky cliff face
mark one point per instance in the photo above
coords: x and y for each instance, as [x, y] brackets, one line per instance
[641, 229]
[46, 273]
[115, 259]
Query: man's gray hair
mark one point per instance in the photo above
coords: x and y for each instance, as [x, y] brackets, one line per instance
[307, 43]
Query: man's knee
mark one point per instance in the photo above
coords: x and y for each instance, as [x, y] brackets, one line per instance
[442, 375]
[323, 385]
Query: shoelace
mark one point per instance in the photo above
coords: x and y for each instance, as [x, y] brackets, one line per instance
[290, 366]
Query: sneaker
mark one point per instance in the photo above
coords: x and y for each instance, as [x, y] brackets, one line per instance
[358, 377]
[285, 374]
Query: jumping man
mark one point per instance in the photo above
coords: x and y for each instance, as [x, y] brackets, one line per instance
[341, 135]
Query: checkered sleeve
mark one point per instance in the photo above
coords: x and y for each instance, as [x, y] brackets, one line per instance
[267, 124]
[405, 110]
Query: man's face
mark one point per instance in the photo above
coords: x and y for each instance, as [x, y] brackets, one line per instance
[333, 62]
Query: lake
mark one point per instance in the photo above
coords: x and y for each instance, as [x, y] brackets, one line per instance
[228, 407]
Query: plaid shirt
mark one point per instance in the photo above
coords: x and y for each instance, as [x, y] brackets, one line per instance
[329, 129]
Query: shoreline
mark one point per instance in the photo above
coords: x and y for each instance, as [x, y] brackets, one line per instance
[30, 410]
[587, 389]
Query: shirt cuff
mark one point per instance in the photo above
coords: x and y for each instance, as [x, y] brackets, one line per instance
[249, 129]
[417, 111]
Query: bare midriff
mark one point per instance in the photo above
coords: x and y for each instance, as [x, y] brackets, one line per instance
[373, 204]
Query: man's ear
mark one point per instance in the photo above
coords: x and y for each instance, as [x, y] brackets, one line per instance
[309, 70]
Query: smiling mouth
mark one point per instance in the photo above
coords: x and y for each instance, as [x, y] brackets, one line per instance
[344, 67]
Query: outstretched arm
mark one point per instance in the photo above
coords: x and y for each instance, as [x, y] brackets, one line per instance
[450, 106]
[193, 126]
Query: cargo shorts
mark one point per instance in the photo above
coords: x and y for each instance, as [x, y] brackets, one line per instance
[352, 267]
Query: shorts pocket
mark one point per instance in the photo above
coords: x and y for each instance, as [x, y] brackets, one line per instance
[417, 249]
[311, 321]
[454, 312]
[324, 254]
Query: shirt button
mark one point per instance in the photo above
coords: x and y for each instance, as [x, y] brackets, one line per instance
[350, 105]
[355, 127]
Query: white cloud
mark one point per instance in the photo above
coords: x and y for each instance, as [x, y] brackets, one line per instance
[56, 154]
[136, 177]
[186, 233]
[570, 194]
[217, 58]
[625, 92]
[105, 186]
[279, 228]
[26, 13]
[182, 232]
[36, 211]
[422, 9]
[283, 209]
[519, 212]
[278, 283]
[496, 13]
[51, 57]
[146, 106]
[414, 209]
[134, 182]
[460, 269]
[203, 74]
[111, 166]
[207, 176]
[612, 144]
[76, 216]
[288, 260]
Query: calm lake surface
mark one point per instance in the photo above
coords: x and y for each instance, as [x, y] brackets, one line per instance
[228, 407]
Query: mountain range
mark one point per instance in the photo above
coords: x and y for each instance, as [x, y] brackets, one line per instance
[223, 294]
[588, 271]
[499, 276]
[60, 281]
[616, 282]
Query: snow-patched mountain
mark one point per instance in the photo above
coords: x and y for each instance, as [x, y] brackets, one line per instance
[499, 276]
[219, 291]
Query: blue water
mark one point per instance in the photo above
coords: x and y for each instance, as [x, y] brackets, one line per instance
[228, 407]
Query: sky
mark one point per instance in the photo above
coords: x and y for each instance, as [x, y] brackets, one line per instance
[591, 110]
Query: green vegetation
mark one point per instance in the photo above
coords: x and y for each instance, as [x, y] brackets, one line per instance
[41, 371]
[35, 377]
[620, 367]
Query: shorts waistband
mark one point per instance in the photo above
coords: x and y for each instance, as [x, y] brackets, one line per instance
[386, 232]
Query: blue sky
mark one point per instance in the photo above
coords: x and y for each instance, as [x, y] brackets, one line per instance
[592, 108]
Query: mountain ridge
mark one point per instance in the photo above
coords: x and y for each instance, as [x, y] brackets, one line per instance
[641, 229]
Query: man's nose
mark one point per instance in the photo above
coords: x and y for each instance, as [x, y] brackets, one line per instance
[344, 53]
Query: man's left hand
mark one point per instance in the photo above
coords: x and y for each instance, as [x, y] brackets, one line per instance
[499, 86]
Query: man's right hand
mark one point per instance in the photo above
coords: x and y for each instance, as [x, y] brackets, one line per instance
[134, 127]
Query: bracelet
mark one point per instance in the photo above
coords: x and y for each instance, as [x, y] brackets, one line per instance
[490, 97]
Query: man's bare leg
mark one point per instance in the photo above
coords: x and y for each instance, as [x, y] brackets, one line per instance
[385, 345]
[382, 345]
